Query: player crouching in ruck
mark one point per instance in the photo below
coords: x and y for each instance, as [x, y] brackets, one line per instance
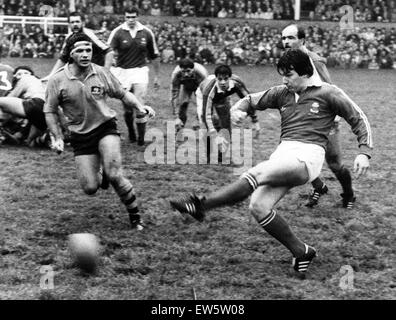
[81, 89]
[26, 100]
[307, 107]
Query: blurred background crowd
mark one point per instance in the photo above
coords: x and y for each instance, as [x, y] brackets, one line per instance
[244, 39]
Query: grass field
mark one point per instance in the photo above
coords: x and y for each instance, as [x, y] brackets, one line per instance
[226, 257]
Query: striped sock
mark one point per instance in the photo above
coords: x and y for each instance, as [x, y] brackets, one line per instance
[127, 195]
[233, 193]
[277, 227]
[267, 220]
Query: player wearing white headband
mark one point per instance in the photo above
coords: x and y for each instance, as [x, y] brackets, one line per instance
[81, 89]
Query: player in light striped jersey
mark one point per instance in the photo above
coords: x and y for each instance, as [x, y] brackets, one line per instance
[214, 104]
[293, 37]
[307, 107]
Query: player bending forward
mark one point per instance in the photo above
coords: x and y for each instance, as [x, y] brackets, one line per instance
[81, 89]
[308, 107]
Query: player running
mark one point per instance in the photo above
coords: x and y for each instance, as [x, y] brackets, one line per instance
[81, 89]
[293, 36]
[307, 107]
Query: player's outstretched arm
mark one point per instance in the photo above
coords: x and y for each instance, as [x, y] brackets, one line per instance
[52, 120]
[131, 101]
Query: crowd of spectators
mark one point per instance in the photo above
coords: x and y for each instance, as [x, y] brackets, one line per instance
[327, 10]
[254, 44]
[241, 41]
[362, 10]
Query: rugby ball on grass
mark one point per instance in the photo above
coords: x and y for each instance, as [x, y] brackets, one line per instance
[85, 251]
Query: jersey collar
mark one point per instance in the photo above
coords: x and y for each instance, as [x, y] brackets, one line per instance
[219, 90]
[138, 27]
[92, 71]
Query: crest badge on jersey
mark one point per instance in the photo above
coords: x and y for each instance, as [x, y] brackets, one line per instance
[315, 107]
[96, 90]
[143, 41]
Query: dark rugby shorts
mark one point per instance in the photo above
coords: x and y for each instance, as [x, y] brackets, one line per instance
[34, 112]
[88, 143]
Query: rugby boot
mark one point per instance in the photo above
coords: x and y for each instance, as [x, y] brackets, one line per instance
[348, 200]
[136, 221]
[302, 263]
[314, 196]
[190, 204]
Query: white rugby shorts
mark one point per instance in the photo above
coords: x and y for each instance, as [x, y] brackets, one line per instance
[312, 155]
[129, 77]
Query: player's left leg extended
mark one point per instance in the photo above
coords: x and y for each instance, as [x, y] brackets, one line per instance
[110, 153]
[276, 173]
[333, 159]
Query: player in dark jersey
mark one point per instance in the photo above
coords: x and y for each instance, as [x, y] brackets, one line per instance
[102, 54]
[307, 107]
[293, 36]
[134, 44]
[185, 80]
[214, 103]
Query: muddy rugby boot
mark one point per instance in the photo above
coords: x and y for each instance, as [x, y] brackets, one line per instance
[190, 204]
[302, 263]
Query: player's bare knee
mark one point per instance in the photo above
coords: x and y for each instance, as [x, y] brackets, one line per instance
[114, 175]
[258, 209]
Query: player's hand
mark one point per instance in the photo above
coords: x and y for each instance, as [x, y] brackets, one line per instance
[256, 129]
[238, 116]
[149, 111]
[361, 164]
[57, 144]
[222, 143]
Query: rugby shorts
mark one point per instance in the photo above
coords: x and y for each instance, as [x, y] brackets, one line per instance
[129, 77]
[34, 112]
[88, 143]
[312, 155]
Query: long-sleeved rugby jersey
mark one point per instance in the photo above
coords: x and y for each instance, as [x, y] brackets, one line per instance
[133, 47]
[212, 95]
[309, 117]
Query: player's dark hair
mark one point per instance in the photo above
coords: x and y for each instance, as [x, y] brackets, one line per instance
[132, 10]
[186, 63]
[223, 70]
[27, 68]
[75, 14]
[297, 60]
[75, 37]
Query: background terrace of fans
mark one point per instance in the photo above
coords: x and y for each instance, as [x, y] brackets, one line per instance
[235, 32]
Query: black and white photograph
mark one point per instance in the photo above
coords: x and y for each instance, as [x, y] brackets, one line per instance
[209, 153]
